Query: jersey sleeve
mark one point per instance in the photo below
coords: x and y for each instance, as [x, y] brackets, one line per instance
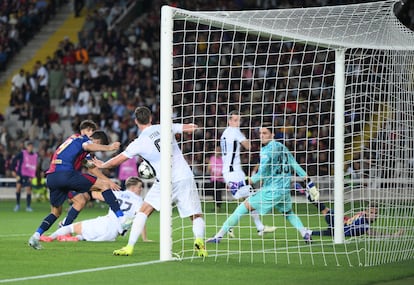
[177, 128]
[133, 148]
[16, 160]
[240, 136]
[295, 165]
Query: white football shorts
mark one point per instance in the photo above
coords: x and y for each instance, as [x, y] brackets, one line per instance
[184, 196]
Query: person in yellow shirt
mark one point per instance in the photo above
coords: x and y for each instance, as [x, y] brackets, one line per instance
[39, 187]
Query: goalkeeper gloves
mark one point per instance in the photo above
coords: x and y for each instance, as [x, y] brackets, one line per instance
[312, 191]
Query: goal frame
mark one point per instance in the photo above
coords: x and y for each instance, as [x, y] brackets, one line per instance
[166, 79]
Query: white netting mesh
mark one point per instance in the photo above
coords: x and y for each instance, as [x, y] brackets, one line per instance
[369, 25]
[279, 66]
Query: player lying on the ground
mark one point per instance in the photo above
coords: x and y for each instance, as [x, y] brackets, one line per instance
[104, 228]
[357, 225]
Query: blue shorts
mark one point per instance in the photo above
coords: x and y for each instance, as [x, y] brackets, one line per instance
[25, 181]
[263, 201]
[330, 218]
[61, 183]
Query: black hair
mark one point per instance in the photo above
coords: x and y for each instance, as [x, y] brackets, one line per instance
[100, 135]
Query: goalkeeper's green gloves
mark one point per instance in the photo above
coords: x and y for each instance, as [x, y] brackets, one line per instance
[312, 190]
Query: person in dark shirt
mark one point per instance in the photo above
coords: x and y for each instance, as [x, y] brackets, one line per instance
[357, 225]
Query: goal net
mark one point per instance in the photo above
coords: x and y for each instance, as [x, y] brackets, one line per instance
[337, 85]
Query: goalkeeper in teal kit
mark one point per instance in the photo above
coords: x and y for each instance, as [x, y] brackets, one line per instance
[275, 171]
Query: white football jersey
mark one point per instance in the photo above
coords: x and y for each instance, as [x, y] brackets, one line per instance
[105, 228]
[129, 202]
[230, 142]
[147, 145]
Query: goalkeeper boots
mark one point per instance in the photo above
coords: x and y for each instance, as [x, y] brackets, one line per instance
[34, 242]
[266, 229]
[214, 240]
[200, 248]
[308, 237]
[125, 251]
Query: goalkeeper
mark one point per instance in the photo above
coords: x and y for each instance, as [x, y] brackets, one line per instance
[274, 173]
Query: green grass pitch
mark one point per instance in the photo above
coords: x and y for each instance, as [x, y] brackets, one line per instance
[93, 263]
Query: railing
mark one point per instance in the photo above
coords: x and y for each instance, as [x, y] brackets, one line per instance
[355, 188]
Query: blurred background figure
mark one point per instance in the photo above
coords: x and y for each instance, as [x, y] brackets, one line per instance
[215, 170]
[24, 167]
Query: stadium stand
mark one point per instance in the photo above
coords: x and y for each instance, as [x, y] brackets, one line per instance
[105, 71]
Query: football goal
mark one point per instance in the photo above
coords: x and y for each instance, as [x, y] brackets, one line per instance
[337, 85]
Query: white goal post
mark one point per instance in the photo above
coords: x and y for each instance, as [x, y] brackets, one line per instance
[337, 84]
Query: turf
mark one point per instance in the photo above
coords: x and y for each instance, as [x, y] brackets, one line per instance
[93, 263]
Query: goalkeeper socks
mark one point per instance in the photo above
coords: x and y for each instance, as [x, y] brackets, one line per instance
[72, 215]
[295, 221]
[137, 227]
[110, 199]
[46, 223]
[257, 221]
[233, 219]
[199, 227]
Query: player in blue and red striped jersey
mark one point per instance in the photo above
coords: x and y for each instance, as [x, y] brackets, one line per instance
[357, 225]
[64, 175]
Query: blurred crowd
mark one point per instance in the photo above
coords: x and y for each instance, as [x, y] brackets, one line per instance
[106, 73]
[19, 22]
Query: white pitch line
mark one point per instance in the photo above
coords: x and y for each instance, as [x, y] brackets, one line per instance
[176, 258]
[79, 271]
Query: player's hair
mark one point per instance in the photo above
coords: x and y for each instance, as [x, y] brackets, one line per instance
[143, 115]
[131, 181]
[88, 124]
[269, 126]
[234, 113]
[100, 135]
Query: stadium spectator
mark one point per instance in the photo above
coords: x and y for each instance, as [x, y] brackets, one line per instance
[215, 170]
[78, 6]
[19, 81]
[81, 55]
[129, 63]
[42, 77]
